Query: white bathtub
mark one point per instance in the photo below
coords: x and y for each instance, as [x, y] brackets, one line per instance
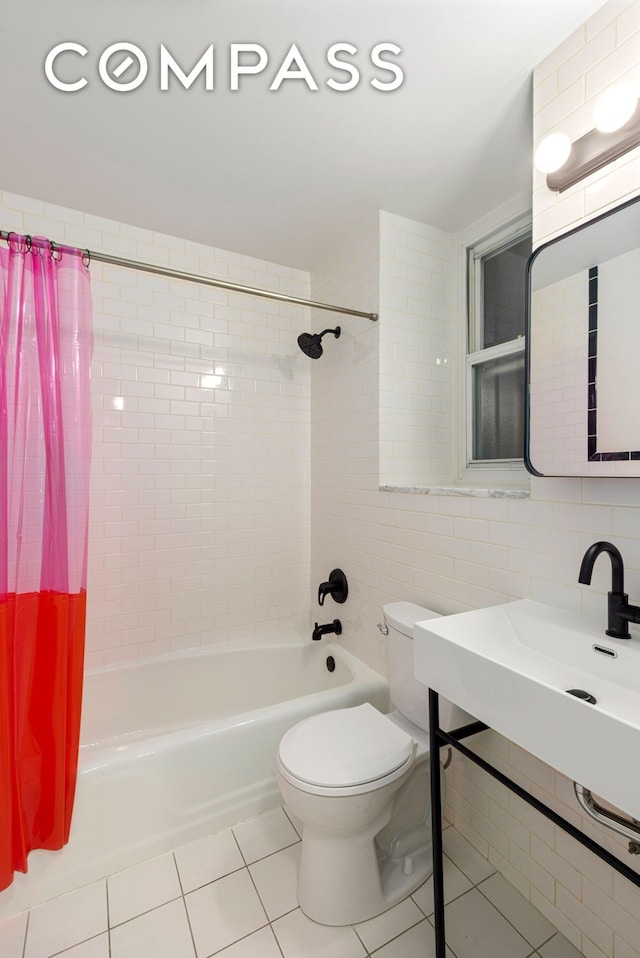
[181, 746]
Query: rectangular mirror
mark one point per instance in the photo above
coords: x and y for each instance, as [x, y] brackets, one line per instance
[583, 350]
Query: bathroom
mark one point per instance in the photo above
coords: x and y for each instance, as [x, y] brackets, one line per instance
[230, 474]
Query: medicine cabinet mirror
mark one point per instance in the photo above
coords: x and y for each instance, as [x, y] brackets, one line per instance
[583, 350]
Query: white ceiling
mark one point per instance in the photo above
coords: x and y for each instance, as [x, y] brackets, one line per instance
[278, 174]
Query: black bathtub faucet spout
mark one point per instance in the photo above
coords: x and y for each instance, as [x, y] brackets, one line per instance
[336, 587]
[619, 612]
[320, 630]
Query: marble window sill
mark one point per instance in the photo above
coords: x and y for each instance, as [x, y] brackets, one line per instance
[468, 491]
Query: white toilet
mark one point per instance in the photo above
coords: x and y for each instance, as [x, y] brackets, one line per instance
[358, 780]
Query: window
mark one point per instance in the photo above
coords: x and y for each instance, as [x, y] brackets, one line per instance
[495, 374]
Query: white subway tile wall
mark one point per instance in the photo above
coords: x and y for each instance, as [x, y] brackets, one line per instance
[417, 303]
[345, 502]
[200, 476]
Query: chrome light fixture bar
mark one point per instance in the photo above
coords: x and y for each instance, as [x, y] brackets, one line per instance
[617, 130]
[594, 150]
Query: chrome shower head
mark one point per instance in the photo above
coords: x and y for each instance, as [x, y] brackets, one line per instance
[311, 343]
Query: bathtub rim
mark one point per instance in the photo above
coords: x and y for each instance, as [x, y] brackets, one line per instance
[297, 637]
[94, 754]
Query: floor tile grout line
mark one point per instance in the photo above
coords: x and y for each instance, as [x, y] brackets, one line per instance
[262, 858]
[175, 862]
[372, 953]
[270, 922]
[474, 887]
[63, 952]
[547, 940]
[106, 889]
[449, 902]
[419, 906]
[298, 841]
[360, 939]
[461, 868]
[285, 913]
[275, 937]
[184, 902]
[184, 894]
[292, 824]
[535, 953]
[506, 917]
[235, 838]
[255, 887]
[76, 943]
[448, 948]
[395, 937]
[426, 917]
[147, 911]
[219, 951]
[233, 871]
[193, 940]
[26, 932]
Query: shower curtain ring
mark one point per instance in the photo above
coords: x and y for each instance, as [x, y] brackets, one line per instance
[55, 252]
[14, 242]
[86, 258]
[27, 241]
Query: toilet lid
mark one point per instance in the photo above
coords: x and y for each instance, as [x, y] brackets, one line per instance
[345, 747]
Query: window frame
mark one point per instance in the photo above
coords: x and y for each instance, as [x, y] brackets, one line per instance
[512, 470]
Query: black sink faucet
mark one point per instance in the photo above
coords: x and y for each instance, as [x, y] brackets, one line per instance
[620, 613]
[320, 630]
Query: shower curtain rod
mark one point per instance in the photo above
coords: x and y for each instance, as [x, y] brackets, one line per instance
[206, 280]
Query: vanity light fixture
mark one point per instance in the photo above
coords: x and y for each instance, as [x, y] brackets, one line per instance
[616, 131]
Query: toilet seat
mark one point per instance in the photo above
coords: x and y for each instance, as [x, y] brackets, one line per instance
[345, 751]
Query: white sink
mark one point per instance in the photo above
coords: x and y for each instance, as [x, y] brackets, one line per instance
[511, 666]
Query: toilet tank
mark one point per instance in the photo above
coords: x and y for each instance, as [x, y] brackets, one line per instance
[408, 695]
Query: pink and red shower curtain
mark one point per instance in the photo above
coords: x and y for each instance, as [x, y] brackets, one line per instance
[46, 343]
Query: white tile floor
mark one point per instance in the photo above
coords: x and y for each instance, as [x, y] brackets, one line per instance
[233, 895]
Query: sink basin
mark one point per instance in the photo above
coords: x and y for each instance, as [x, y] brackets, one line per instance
[512, 665]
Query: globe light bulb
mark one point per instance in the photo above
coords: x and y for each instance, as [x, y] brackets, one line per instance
[613, 108]
[553, 152]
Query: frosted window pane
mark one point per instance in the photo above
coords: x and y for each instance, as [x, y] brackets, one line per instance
[504, 293]
[498, 387]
